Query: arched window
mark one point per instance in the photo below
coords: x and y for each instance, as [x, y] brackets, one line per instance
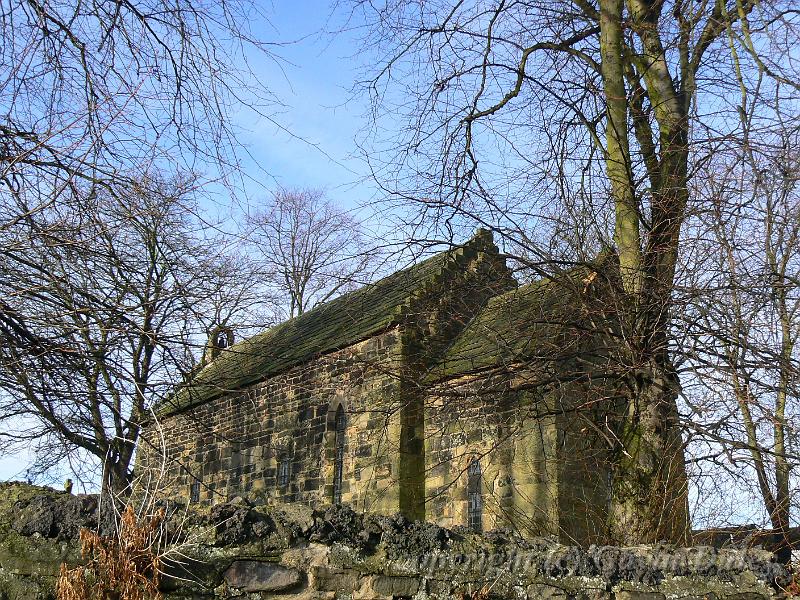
[474, 498]
[338, 464]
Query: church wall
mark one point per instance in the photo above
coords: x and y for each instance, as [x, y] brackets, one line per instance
[483, 419]
[433, 319]
[542, 470]
[236, 444]
[583, 460]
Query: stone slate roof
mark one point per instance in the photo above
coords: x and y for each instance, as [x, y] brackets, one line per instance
[336, 324]
[527, 323]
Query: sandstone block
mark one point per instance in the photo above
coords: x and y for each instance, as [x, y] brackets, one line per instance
[395, 586]
[636, 595]
[257, 576]
[334, 580]
[540, 591]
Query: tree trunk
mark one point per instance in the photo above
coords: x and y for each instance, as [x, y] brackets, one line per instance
[649, 500]
[617, 158]
[116, 479]
[649, 489]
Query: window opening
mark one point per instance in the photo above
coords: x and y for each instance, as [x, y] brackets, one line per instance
[338, 465]
[283, 471]
[474, 497]
[194, 492]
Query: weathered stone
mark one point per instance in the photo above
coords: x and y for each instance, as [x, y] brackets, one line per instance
[541, 591]
[638, 595]
[437, 588]
[376, 557]
[395, 586]
[299, 514]
[257, 576]
[333, 580]
[593, 595]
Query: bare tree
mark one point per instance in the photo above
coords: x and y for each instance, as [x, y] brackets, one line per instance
[91, 91]
[610, 106]
[310, 250]
[106, 303]
[95, 276]
[743, 323]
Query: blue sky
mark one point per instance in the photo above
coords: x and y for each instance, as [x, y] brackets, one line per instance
[312, 144]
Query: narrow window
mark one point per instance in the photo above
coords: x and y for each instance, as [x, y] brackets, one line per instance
[338, 464]
[283, 472]
[194, 492]
[474, 499]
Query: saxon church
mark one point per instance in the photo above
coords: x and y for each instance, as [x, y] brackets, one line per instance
[446, 392]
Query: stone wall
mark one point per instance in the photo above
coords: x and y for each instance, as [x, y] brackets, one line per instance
[543, 469]
[234, 444]
[473, 422]
[234, 550]
[432, 319]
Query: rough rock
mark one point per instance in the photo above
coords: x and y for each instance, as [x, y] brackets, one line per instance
[402, 537]
[237, 523]
[60, 516]
[257, 576]
[251, 552]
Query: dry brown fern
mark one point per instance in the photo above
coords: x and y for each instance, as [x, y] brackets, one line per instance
[125, 567]
[793, 589]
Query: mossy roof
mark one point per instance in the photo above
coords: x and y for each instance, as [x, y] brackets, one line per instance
[336, 324]
[514, 326]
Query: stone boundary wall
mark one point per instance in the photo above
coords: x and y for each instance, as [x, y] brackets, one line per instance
[236, 550]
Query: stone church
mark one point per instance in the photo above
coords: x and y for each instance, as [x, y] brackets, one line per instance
[446, 392]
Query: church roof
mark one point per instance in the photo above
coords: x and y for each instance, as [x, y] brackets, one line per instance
[336, 324]
[535, 322]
